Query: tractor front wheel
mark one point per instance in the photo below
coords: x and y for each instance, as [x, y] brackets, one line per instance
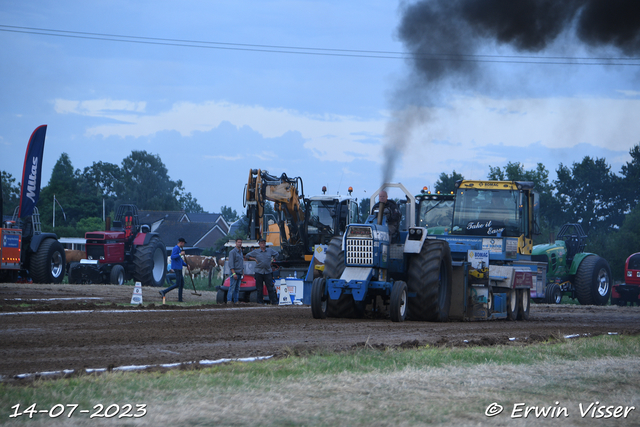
[553, 294]
[398, 303]
[116, 277]
[319, 298]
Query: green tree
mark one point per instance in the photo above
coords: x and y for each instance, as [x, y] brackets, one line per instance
[624, 243]
[551, 216]
[10, 193]
[631, 179]
[85, 225]
[229, 215]
[584, 194]
[364, 209]
[145, 183]
[102, 178]
[188, 203]
[66, 185]
[447, 183]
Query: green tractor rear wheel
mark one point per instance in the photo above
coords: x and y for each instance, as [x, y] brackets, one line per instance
[593, 281]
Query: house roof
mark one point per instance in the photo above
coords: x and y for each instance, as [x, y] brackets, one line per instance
[203, 217]
[201, 230]
[149, 217]
[241, 223]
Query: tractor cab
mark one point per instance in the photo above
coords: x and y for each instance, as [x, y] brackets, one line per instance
[328, 216]
[435, 211]
[574, 239]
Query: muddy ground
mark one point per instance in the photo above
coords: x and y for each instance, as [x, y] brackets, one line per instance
[74, 327]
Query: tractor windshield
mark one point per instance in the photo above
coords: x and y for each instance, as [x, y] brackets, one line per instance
[320, 222]
[435, 213]
[487, 213]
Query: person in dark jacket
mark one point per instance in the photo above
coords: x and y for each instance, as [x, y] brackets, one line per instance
[264, 275]
[391, 212]
[176, 265]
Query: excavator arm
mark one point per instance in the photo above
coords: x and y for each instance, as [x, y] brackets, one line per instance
[287, 195]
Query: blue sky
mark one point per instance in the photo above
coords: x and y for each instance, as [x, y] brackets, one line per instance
[214, 114]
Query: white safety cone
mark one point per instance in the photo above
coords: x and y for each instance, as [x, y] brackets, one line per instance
[136, 298]
[285, 298]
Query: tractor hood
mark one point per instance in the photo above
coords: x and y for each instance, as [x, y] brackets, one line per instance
[105, 235]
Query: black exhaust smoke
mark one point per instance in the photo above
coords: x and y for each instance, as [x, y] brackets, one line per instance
[446, 37]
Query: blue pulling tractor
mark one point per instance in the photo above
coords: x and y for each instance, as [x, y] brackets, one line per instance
[480, 270]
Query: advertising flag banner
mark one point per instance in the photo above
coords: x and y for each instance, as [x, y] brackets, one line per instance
[31, 172]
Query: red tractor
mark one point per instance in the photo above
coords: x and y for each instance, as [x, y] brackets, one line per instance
[629, 291]
[125, 250]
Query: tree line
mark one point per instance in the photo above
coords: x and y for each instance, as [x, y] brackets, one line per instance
[84, 195]
[604, 202]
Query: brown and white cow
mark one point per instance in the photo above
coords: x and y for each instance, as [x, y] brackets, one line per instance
[199, 265]
[73, 255]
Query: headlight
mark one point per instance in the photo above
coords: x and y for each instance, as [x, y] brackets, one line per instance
[412, 231]
[629, 274]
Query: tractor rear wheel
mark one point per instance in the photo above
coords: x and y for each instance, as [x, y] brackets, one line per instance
[593, 281]
[150, 263]
[429, 278]
[47, 265]
[512, 305]
[116, 277]
[344, 306]
[524, 303]
[398, 303]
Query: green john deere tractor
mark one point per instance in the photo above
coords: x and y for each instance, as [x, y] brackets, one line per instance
[572, 271]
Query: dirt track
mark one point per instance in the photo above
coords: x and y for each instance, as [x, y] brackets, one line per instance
[57, 327]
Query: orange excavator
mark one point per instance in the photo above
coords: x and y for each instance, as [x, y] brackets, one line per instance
[287, 195]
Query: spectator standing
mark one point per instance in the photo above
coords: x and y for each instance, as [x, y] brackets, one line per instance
[236, 268]
[263, 273]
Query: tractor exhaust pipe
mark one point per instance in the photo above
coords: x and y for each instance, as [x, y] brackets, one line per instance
[380, 210]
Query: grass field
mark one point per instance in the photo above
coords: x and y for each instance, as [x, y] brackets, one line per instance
[424, 386]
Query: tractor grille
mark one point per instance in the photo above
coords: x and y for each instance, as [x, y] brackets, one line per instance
[360, 251]
[95, 251]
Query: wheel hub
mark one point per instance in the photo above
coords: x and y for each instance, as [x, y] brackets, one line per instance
[603, 282]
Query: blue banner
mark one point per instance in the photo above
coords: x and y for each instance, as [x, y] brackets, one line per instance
[31, 172]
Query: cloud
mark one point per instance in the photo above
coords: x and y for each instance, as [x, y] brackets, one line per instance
[630, 93]
[475, 122]
[464, 129]
[98, 107]
[331, 137]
